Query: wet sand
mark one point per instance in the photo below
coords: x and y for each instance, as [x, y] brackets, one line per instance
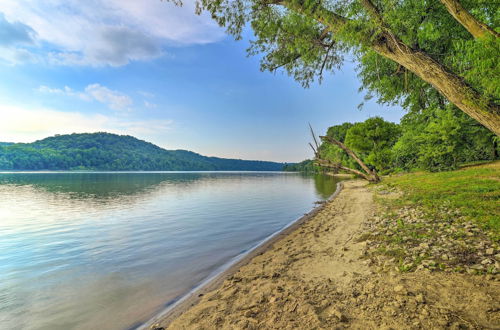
[316, 276]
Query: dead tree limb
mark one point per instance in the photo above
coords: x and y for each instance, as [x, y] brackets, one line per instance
[371, 173]
[338, 166]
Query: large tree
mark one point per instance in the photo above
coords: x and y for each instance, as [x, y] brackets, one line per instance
[308, 37]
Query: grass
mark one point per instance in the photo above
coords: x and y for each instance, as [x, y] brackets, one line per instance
[473, 191]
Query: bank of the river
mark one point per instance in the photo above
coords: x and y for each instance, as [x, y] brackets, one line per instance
[330, 273]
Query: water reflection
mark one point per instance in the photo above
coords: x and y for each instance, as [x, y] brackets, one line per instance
[105, 250]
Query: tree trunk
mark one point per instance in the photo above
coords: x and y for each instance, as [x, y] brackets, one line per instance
[475, 27]
[448, 84]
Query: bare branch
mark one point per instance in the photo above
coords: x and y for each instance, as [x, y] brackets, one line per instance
[315, 151]
[314, 137]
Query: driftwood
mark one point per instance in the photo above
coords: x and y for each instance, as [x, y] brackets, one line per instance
[370, 175]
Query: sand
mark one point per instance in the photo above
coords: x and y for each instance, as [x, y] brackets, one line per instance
[316, 277]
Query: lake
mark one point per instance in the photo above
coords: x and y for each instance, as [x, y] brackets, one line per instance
[108, 250]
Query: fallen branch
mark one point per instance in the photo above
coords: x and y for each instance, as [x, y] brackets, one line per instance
[372, 174]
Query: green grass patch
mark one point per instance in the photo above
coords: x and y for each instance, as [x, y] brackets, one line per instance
[472, 192]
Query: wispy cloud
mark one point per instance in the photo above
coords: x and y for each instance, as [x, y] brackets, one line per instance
[20, 124]
[115, 100]
[150, 105]
[103, 32]
[146, 94]
[94, 92]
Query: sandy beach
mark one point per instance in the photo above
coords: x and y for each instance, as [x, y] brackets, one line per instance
[318, 277]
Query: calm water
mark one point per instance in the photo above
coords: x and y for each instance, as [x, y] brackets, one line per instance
[108, 250]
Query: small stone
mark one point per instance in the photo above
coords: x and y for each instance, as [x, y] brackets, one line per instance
[340, 316]
[425, 312]
[486, 262]
[157, 327]
[399, 288]
[420, 298]
[423, 246]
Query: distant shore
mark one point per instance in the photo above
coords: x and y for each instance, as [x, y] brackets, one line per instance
[317, 274]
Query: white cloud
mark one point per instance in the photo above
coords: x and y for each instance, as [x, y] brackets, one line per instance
[26, 125]
[108, 32]
[115, 100]
[150, 105]
[94, 92]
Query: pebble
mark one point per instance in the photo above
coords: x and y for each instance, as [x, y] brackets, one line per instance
[420, 298]
[399, 288]
[486, 262]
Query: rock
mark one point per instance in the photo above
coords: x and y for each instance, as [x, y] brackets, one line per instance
[250, 313]
[399, 288]
[486, 261]
[424, 312]
[420, 298]
[340, 316]
[423, 246]
[157, 327]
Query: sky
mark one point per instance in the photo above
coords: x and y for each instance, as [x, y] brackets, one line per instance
[162, 74]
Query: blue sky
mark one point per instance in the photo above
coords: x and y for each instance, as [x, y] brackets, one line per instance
[162, 74]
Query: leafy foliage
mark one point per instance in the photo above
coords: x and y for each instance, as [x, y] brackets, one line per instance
[373, 140]
[434, 140]
[439, 140]
[104, 151]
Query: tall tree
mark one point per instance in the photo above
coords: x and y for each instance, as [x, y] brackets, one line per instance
[308, 37]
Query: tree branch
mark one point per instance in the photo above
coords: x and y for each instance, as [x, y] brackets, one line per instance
[475, 27]
[351, 154]
[338, 166]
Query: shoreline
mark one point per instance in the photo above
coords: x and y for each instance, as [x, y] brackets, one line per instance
[322, 276]
[191, 298]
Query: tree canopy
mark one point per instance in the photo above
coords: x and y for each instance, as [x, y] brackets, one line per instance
[436, 140]
[105, 151]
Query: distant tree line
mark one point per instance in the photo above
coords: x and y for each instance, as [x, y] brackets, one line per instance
[306, 166]
[105, 151]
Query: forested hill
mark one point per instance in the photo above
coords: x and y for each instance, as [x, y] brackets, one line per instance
[105, 151]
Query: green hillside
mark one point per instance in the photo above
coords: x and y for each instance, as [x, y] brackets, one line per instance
[105, 151]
